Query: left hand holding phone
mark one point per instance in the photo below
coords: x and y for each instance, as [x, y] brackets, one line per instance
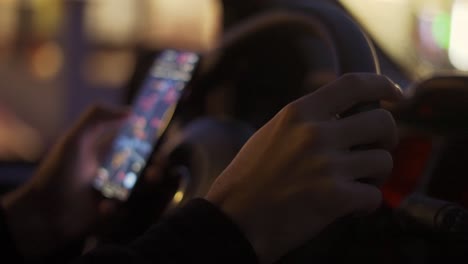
[58, 205]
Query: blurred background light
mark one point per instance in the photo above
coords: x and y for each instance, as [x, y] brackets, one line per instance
[178, 197]
[111, 22]
[433, 36]
[109, 69]
[458, 51]
[47, 17]
[47, 60]
[57, 57]
[184, 24]
[390, 23]
[8, 26]
[425, 37]
[441, 30]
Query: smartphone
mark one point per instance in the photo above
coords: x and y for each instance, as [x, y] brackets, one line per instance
[152, 112]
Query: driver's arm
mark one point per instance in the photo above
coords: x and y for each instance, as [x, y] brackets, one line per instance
[294, 176]
[197, 233]
[7, 245]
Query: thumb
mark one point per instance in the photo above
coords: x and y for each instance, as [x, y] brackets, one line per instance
[104, 135]
[96, 116]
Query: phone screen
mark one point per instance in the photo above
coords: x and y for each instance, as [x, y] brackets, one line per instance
[152, 112]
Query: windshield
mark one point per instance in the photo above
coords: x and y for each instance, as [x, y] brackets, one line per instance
[425, 37]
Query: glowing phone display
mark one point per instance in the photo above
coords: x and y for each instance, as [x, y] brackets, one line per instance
[152, 112]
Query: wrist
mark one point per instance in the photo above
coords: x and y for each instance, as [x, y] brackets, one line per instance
[247, 225]
[29, 222]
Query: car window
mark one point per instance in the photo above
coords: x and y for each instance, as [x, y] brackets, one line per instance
[426, 37]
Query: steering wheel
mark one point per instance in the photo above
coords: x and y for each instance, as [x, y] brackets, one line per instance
[199, 157]
[209, 141]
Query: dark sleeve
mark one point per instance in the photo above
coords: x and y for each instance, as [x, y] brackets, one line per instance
[197, 233]
[8, 248]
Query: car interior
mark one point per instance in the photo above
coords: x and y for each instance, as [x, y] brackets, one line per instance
[267, 54]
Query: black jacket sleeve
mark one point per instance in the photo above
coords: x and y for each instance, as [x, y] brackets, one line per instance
[7, 246]
[198, 233]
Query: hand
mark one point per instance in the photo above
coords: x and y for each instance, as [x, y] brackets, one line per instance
[58, 205]
[298, 174]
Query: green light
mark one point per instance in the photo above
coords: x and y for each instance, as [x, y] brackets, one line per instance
[441, 30]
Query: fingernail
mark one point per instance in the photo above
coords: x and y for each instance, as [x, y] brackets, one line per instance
[399, 89]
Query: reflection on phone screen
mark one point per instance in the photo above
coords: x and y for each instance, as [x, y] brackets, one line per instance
[151, 114]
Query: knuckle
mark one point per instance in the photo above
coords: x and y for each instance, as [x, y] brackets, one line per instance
[321, 165]
[385, 82]
[325, 164]
[383, 79]
[355, 83]
[291, 112]
[331, 167]
[387, 123]
[88, 115]
[383, 119]
[328, 135]
[386, 159]
[390, 90]
[307, 134]
[96, 108]
[361, 79]
[351, 78]
[364, 83]
[335, 183]
[384, 114]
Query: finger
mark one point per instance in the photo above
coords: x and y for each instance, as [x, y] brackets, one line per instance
[317, 79]
[153, 174]
[349, 90]
[103, 137]
[362, 198]
[94, 144]
[155, 169]
[376, 128]
[107, 207]
[317, 164]
[389, 105]
[97, 115]
[371, 166]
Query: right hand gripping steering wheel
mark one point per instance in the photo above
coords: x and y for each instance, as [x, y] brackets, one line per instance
[209, 144]
[351, 49]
